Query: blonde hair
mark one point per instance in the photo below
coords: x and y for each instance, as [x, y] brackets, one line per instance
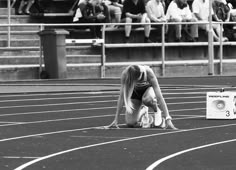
[129, 76]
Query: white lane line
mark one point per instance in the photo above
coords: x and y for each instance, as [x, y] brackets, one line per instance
[44, 134]
[189, 97]
[158, 162]
[204, 88]
[20, 157]
[97, 137]
[58, 94]
[116, 141]
[101, 92]
[90, 117]
[89, 97]
[57, 120]
[10, 122]
[195, 86]
[58, 98]
[188, 117]
[56, 104]
[180, 103]
[88, 102]
[58, 132]
[181, 93]
[54, 111]
[67, 110]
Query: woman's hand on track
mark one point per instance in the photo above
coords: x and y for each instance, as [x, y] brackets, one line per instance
[114, 124]
[170, 124]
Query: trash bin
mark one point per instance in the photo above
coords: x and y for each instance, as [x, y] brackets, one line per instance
[54, 51]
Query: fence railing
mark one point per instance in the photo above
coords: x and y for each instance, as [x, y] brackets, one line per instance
[161, 44]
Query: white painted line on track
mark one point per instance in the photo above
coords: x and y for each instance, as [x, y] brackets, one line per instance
[116, 141]
[58, 132]
[97, 137]
[58, 94]
[58, 98]
[89, 97]
[194, 85]
[180, 110]
[179, 93]
[10, 122]
[59, 84]
[44, 134]
[56, 104]
[204, 88]
[158, 162]
[88, 102]
[55, 111]
[189, 115]
[180, 103]
[189, 97]
[88, 117]
[20, 157]
[57, 120]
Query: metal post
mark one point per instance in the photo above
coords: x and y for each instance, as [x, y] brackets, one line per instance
[103, 56]
[210, 43]
[163, 49]
[40, 53]
[221, 48]
[9, 23]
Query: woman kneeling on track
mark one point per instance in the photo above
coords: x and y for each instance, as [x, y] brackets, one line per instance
[140, 90]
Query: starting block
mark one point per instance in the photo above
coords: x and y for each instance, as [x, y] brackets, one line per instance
[221, 105]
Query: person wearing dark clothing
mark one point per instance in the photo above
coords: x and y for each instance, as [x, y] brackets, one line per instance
[95, 12]
[134, 11]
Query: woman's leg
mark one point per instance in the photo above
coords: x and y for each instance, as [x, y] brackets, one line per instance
[29, 5]
[147, 28]
[128, 27]
[22, 4]
[149, 99]
[133, 118]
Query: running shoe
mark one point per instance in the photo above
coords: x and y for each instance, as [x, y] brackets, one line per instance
[158, 118]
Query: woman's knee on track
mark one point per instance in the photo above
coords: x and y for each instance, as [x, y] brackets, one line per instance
[149, 101]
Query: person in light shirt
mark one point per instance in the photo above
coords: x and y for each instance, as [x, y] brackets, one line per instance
[156, 14]
[201, 12]
[155, 11]
[179, 11]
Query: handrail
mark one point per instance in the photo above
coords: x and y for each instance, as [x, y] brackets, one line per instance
[163, 44]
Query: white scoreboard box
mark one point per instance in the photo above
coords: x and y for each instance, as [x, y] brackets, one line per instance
[221, 105]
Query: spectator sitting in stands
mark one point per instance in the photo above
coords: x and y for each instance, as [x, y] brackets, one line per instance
[222, 13]
[201, 12]
[95, 12]
[232, 12]
[27, 4]
[155, 12]
[115, 10]
[134, 11]
[221, 10]
[78, 12]
[179, 11]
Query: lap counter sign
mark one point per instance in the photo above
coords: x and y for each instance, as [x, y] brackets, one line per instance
[221, 105]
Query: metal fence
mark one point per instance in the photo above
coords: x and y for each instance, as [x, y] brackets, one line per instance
[161, 44]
